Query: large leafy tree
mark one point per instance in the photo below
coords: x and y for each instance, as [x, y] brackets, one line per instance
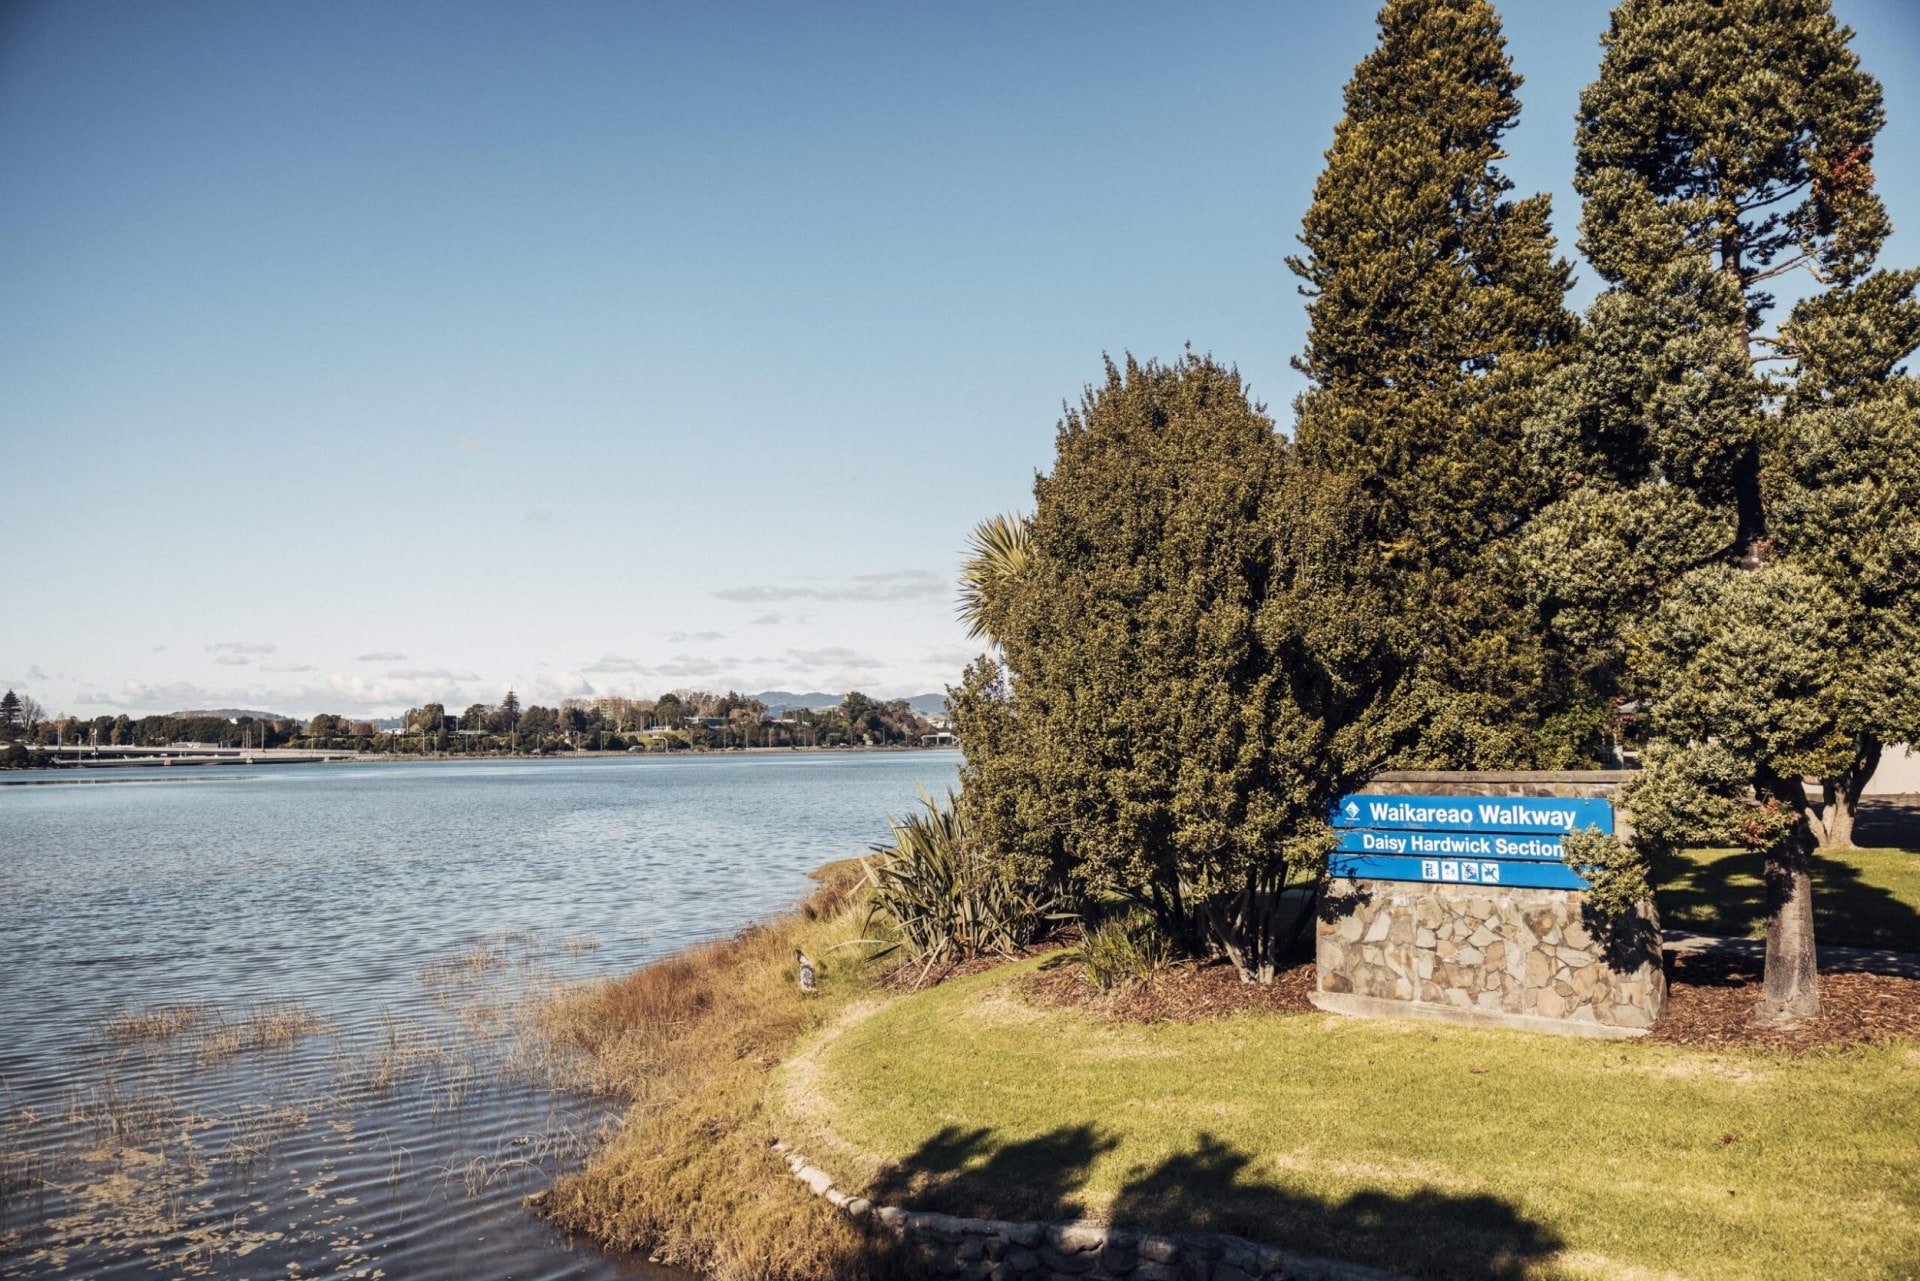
[1734, 534]
[1191, 670]
[1436, 300]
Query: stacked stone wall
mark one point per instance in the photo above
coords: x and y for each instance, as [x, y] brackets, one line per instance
[1477, 954]
[1519, 952]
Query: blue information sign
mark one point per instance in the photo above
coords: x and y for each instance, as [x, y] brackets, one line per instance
[1464, 840]
[1544, 849]
[1459, 871]
[1512, 814]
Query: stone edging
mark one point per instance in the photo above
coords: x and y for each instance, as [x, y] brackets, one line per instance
[1000, 1249]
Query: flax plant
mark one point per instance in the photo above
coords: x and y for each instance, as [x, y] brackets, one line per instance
[946, 897]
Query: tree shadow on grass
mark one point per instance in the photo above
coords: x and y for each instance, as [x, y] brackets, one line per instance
[1888, 822]
[1425, 1232]
[967, 1171]
[1215, 1187]
[1722, 893]
[1717, 893]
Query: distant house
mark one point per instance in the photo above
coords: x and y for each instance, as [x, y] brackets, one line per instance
[939, 738]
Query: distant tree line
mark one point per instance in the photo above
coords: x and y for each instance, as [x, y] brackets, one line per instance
[682, 720]
[676, 721]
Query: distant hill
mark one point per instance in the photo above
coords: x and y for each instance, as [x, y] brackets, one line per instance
[236, 713]
[780, 701]
[928, 704]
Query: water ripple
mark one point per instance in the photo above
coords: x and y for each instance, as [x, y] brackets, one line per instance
[270, 1028]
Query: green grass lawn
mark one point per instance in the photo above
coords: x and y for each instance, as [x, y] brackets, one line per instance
[1861, 898]
[1438, 1151]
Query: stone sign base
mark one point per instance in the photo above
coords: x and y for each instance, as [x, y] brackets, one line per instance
[1472, 954]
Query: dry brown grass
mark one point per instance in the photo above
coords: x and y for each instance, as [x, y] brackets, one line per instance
[692, 1041]
[474, 963]
[160, 1024]
[26, 1171]
[267, 1025]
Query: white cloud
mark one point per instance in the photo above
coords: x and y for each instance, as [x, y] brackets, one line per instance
[682, 638]
[286, 667]
[382, 656]
[342, 694]
[617, 663]
[386, 695]
[140, 695]
[232, 660]
[680, 666]
[837, 656]
[896, 585]
[687, 665]
[431, 674]
[768, 619]
[554, 686]
[955, 658]
[239, 647]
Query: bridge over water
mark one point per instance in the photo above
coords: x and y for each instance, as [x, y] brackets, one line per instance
[87, 756]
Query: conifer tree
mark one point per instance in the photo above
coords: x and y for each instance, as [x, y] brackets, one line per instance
[1437, 299]
[1190, 669]
[1735, 515]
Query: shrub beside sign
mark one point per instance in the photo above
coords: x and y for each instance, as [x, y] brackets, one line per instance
[1465, 840]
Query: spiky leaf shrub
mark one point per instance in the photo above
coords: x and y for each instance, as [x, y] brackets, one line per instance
[947, 899]
[1123, 950]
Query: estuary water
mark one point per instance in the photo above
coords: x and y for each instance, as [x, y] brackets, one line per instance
[266, 1022]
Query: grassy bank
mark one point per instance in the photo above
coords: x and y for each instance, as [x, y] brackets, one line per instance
[1861, 898]
[1443, 1152]
[1439, 1151]
[692, 1043]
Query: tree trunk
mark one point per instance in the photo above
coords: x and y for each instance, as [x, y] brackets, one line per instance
[1243, 947]
[1790, 985]
[1837, 814]
[1841, 796]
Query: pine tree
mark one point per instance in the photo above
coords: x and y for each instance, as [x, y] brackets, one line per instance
[10, 711]
[1732, 500]
[1437, 300]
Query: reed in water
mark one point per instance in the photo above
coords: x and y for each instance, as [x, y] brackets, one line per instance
[691, 1042]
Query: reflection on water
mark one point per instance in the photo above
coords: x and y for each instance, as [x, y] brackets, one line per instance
[276, 1027]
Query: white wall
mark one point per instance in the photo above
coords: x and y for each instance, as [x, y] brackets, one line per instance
[1899, 773]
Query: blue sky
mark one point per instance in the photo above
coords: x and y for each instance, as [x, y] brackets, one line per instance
[357, 354]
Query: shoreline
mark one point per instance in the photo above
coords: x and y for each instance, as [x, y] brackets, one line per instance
[987, 1104]
[43, 773]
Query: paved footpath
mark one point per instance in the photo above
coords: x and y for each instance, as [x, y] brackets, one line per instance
[1872, 960]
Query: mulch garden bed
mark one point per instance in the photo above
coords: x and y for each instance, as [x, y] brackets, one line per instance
[1182, 994]
[908, 977]
[1710, 1000]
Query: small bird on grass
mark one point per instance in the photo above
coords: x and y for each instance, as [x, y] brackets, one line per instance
[806, 970]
